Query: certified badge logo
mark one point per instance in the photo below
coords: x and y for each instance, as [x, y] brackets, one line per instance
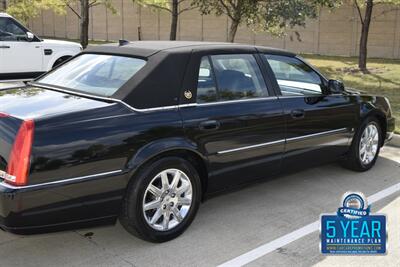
[353, 230]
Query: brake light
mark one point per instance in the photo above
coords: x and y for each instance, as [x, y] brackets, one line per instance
[3, 115]
[19, 160]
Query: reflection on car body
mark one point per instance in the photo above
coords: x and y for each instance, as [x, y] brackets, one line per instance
[144, 131]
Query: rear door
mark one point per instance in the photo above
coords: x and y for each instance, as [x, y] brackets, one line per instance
[319, 124]
[233, 117]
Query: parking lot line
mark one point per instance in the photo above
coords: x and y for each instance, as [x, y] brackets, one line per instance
[297, 234]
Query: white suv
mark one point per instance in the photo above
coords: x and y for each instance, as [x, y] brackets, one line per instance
[24, 56]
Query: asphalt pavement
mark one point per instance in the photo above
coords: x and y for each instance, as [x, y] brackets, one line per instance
[229, 226]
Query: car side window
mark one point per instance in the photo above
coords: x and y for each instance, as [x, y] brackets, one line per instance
[238, 76]
[11, 31]
[229, 77]
[294, 76]
[206, 88]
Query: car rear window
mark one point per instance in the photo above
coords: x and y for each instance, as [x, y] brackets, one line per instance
[94, 74]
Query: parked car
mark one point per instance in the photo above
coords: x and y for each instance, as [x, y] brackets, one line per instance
[24, 56]
[145, 131]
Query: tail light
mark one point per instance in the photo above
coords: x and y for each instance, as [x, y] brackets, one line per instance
[19, 161]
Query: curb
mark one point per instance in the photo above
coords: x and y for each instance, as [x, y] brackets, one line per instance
[395, 141]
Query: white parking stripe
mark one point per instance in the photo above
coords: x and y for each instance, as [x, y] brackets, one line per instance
[299, 233]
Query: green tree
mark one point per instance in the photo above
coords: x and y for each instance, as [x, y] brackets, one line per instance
[268, 15]
[23, 10]
[366, 19]
[26, 9]
[174, 7]
[3, 5]
[83, 15]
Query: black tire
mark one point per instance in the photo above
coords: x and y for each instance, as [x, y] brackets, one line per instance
[353, 160]
[59, 61]
[132, 217]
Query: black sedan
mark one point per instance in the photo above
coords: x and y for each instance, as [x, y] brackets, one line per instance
[145, 131]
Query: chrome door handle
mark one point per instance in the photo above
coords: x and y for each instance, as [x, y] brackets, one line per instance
[297, 113]
[209, 125]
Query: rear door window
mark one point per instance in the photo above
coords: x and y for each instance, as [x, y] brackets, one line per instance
[229, 77]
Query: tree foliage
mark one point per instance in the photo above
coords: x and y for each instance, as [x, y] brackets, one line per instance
[273, 16]
[366, 15]
[174, 7]
[23, 10]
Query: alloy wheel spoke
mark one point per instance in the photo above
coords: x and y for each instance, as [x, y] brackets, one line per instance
[164, 181]
[364, 157]
[175, 180]
[166, 220]
[363, 149]
[184, 201]
[183, 189]
[156, 216]
[177, 214]
[155, 190]
[152, 205]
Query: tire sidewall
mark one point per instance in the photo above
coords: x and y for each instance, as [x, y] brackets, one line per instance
[136, 191]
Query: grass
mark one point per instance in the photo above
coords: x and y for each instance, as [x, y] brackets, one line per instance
[383, 79]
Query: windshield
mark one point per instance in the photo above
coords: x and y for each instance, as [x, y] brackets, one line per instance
[94, 74]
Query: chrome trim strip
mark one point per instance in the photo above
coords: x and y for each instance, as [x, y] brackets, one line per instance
[238, 101]
[83, 94]
[282, 141]
[152, 109]
[316, 134]
[113, 99]
[69, 180]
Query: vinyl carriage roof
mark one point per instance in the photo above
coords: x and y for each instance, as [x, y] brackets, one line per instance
[171, 66]
[148, 48]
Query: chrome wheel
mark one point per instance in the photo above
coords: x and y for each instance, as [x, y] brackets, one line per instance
[167, 199]
[369, 144]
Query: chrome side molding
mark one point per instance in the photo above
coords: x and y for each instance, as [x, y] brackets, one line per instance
[283, 141]
[63, 181]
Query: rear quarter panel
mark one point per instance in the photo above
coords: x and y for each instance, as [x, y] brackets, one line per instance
[96, 141]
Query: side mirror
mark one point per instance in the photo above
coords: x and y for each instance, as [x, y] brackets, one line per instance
[30, 36]
[335, 86]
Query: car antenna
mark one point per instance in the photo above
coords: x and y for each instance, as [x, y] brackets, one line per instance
[123, 42]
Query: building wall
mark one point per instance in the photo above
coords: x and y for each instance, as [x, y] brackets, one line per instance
[333, 33]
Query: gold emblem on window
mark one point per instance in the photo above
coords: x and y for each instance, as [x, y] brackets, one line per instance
[188, 94]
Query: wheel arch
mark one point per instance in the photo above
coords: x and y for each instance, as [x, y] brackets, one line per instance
[64, 54]
[63, 58]
[170, 147]
[381, 117]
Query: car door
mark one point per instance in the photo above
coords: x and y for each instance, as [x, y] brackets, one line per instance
[232, 117]
[18, 54]
[319, 124]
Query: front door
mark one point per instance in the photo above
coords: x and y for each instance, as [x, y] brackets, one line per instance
[18, 54]
[319, 124]
[236, 121]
